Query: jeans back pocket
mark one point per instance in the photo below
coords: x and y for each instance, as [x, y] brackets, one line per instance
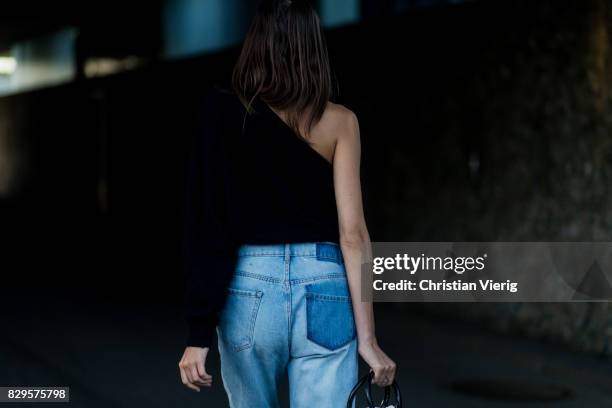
[237, 323]
[329, 318]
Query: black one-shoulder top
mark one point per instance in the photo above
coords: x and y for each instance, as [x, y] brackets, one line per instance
[250, 180]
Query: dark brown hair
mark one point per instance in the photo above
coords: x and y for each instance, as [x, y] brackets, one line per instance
[284, 62]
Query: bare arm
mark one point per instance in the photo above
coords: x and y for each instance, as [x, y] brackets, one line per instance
[355, 245]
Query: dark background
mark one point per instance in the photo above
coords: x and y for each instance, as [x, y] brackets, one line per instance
[482, 120]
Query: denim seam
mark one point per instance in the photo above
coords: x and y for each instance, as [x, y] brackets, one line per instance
[277, 254]
[316, 278]
[333, 298]
[246, 293]
[257, 276]
[281, 255]
[254, 313]
[287, 287]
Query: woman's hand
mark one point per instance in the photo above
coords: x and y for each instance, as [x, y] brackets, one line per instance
[192, 366]
[383, 367]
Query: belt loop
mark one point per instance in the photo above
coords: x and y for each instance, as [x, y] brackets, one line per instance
[287, 262]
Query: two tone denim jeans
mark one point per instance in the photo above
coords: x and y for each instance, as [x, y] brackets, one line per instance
[288, 311]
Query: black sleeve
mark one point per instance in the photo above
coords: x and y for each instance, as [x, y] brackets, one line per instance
[209, 248]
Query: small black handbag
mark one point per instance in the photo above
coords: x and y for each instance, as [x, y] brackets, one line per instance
[366, 381]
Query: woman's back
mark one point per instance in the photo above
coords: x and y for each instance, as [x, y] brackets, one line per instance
[324, 134]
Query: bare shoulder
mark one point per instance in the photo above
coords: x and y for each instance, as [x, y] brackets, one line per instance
[340, 120]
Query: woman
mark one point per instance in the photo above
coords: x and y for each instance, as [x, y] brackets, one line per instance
[275, 231]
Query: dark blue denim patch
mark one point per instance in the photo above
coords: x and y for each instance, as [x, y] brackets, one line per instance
[328, 251]
[329, 315]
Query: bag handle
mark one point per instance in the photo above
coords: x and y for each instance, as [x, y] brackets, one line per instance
[368, 391]
[356, 388]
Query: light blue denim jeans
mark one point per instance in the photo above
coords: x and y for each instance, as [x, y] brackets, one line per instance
[288, 311]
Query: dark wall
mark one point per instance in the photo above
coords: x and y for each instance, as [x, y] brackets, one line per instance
[98, 168]
[488, 121]
[48, 142]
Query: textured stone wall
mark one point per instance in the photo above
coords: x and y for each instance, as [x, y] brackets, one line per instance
[502, 132]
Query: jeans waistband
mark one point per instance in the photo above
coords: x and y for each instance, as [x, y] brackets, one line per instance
[321, 250]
